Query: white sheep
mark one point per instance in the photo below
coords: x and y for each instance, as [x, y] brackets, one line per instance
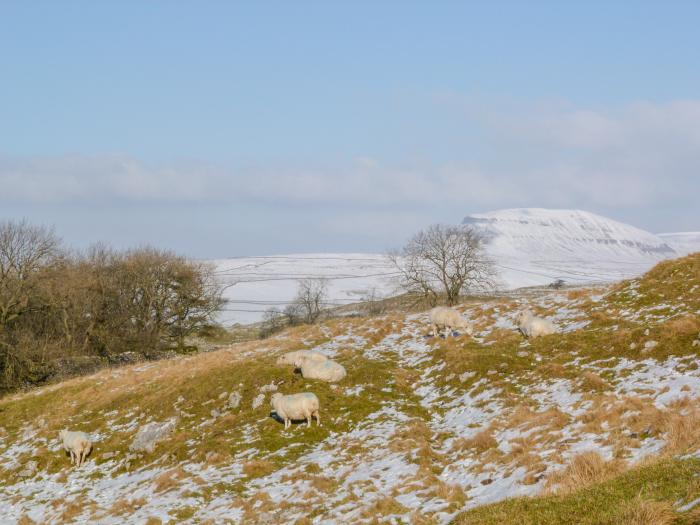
[327, 370]
[449, 319]
[295, 358]
[296, 407]
[533, 326]
[77, 443]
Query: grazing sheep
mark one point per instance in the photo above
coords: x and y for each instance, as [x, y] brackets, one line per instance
[532, 326]
[295, 358]
[327, 370]
[449, 319]
[77, 443]
[296, 407]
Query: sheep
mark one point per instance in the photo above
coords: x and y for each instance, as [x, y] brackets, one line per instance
[532, 326]
[295, 407]
[295, 358]
[78, 444]
[448, 318]
[327, 370]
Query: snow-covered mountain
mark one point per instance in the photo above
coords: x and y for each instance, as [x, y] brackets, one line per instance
[530, 246]
[683, 242]
[534, 246]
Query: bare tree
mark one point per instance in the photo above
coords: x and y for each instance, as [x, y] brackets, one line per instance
[273, 321]
[444, 260]
[25, 251]
[310, 298]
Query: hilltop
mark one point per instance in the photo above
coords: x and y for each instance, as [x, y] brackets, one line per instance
[599, 422]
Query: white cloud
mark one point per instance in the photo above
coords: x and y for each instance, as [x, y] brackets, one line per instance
[636, 156]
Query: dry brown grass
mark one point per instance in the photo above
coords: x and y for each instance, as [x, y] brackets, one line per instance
[124, 506]
[152, 520]
[645, 512]
[169, 479]
[481, 442]
[216, 458]
[450, 493]
[573, 295]
[418, 518]
[258, 467]
[525, 417]
[686, 325]
[592, 381]
[584, 470]
[384, 506]
[682, 431]
[26, 520]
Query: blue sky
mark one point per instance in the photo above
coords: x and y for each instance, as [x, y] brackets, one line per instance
[231, 128]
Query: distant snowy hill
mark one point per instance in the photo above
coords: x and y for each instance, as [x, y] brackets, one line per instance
[534, 246]
[684, 242]
[258, 283]
[530, 246]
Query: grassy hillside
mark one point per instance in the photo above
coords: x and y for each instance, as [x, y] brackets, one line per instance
[598, 421]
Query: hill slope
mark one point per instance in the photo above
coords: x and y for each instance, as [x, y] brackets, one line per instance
[420, 430]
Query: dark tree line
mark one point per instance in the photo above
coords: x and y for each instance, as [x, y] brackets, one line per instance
[60, 310]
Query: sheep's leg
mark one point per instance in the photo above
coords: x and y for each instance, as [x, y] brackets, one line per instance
[434, 329]
[318, 418]
[287, 423]
[308, 419]
[72, 457]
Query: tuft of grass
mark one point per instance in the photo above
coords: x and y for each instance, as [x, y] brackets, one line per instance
[605, 503]
[169, 479]
[647, 512]
[124, 506]
[481, 442]
[258, 468]
[584, 470]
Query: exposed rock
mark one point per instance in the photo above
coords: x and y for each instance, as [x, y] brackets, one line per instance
[148, 435]
[29, 470]
[258, 401]
[233, 401]
[272, 387]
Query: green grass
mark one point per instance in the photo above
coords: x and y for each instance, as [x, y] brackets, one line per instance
[669, 480]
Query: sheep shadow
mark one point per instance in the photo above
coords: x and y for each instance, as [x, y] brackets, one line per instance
[441, 336]
[274, 416]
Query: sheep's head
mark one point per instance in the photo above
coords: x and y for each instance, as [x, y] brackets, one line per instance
[523, 316]
[274, 398]
[62, 433]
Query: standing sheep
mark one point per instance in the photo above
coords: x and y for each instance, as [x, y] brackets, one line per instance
[532, 326]
[296, 407]
[449, 319]
[77, 443]
[295, 358]
[328, 370]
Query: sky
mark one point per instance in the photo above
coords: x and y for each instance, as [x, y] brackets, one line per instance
[223, 129]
